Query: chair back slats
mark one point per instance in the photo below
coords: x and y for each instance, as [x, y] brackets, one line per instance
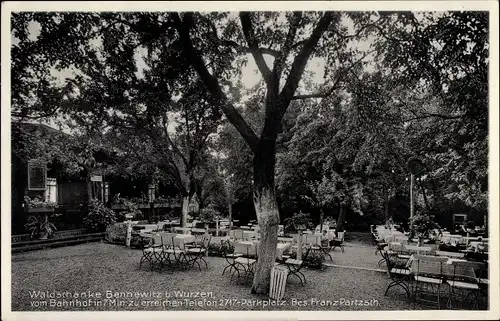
[462, 271]
[340, 236]
[242, 248]
[401, 239]
[167, 239]
[425, 265]
[390, 239]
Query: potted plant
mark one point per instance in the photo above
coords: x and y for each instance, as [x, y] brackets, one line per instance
[298, 222]
[208, 215]
[40, 226]
[423, 227]
[37, 205]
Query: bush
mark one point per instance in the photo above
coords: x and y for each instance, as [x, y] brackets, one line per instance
[299, 221]
[208, 215]
[99, 216]
[116, 233]
[314, 259]
[220, 249]
[424, 226]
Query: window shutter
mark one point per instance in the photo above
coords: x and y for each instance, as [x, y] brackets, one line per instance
[37, 176]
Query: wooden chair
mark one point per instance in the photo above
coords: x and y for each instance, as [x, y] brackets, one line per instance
[462, 280]
[152, 252]
[398, 271]
[428, 277]
[175, 252]
[294, 267]
[198, 252]
[238, 234]
[245, 262]
[230, 258]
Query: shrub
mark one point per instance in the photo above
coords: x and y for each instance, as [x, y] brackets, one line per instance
[220, 249]
[116, 233]
[314, 259]
[299, 221]
[208, 215]
[99, 216]
[38, 202]
[423, 226]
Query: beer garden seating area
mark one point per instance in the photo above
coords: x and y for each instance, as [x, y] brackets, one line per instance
[386, 268]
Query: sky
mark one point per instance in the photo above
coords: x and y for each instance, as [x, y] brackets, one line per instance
[250, 74]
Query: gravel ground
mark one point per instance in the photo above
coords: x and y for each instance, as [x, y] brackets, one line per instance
[112, 269]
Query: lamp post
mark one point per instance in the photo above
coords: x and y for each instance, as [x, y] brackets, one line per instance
[412, 182]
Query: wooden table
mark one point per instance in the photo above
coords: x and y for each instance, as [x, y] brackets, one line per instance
[241, 247]
[417, 249]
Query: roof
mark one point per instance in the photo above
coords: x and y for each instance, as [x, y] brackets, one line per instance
[32, 127]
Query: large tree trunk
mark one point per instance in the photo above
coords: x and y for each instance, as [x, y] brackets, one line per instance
[185, 210]
[340, 221]
[266, 209]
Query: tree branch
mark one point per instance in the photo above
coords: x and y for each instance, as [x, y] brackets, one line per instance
[217, 95]
[300, 61]
[237, 46]
[287, 46]
[431, 115]
[248, 31]
[335, 85]
[262, 51]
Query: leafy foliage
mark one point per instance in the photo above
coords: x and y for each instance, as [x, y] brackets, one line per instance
[36, 202]
[209, 214]
[220, 250]
[423, 226]
[38, 225]
[99, 216]
[299, 221]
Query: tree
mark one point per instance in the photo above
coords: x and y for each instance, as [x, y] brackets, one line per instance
[277, 99]
[210, 49]
[177, 39]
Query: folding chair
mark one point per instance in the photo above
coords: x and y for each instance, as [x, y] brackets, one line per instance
[245, 262]
[326, 248]
[152, 252]
[294, 266]
[428, 277]
[198, 252]
[462, 280]
[398, 271]
[175, 253]
[230, 259]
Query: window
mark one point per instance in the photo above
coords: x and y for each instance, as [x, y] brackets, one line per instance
[51, 192]
[37, 176]
[106, 192]
[459, 218]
